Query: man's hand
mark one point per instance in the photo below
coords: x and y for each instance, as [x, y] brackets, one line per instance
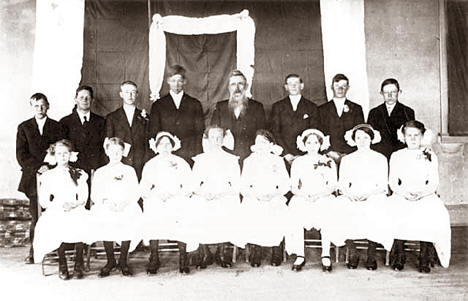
[289, 158]
[42, 169]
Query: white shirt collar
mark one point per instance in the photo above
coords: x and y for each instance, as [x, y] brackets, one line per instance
[294, 99]
[339, 104]
[390, 108]
[40, 124]
[177, 98]
[129, 112]
[82, 116]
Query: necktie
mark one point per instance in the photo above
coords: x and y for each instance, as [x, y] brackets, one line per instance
[85, 122]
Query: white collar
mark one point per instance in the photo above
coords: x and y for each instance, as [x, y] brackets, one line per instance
[129, 112]
[294, 99]
[40, 123]
[390, 108]
[82, 116]
[177, 97]
[339, 104]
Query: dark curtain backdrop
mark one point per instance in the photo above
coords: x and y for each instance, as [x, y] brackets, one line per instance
[457, 52]
[288, 40]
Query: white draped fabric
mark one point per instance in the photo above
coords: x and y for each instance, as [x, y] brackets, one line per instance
[58, 52]
[242, 23]
[344, 46]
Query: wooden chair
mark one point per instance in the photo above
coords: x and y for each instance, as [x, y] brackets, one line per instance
[315, 243]
[361, 244]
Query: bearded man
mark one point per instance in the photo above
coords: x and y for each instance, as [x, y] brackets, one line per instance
[241, 115]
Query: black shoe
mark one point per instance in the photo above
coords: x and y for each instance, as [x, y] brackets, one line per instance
[353, 261]
[424, 269]
[152, 268]
[78, 271]
[276, 256]
[371, 264]
[63, 273]
[255, 258]
[125, 270]
[398, 263]
[29, 259]
[105, 271]
[298, 267]
[276, 262]
[326, 268]
[184, 270]
[226, 263]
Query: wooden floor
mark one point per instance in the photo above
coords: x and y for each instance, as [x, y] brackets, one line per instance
[25, 282]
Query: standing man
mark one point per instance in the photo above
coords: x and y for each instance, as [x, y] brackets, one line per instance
[34, 137]
[291, 116]
[129, 124]
[86, 131]
[241, 115]
[388, 117]
[338, 116]
[179, 114]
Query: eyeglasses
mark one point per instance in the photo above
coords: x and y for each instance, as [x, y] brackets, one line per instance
[390, 93]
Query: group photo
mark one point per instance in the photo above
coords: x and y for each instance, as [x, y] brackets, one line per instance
[246, 150]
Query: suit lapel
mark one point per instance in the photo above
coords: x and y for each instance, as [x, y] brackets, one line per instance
[123, 119]
[384, 112]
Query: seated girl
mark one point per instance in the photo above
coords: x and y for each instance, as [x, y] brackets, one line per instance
[63, 192]
[363, 184]
[116, 212]
[313, 181]
[168, 210]
[216, 176]
[418, 213]
[264, 182]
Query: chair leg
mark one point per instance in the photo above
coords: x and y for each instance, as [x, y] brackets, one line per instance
[387, 258]
[337, 254]
[234, 254]
[88, 258]
[347, 255]
[247, 253]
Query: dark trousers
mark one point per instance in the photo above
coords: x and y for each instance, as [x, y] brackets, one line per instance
[33, 210]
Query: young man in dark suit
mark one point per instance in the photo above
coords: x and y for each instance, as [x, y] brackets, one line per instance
[179, 114]
[33, 138]
[129, 124]
[241, 115]
[388, 117]
[86, 131]
[338, 116]
[291, 116]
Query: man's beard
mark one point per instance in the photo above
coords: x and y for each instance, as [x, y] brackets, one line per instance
[241, 103]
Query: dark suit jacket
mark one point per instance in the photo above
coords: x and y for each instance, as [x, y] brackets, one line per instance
[243, 128]
[388, 126]
[117, 126]
[186, 123]
[336, 126]
[286, 125]
[31, 149]
[87, 139]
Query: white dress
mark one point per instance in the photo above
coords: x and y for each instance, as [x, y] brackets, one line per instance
[217, 173]
[116, 213]
[171, 218]
[56, 224]
[426, 219]
[362, 172]
[311, 176]
[264, 221]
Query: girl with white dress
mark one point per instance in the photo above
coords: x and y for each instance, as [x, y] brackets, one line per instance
[418, 213]
[168, 210]
[216, 177]
[264, 182]
[63, 192]
[363, 184]
[117, 215]
[313, 181]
